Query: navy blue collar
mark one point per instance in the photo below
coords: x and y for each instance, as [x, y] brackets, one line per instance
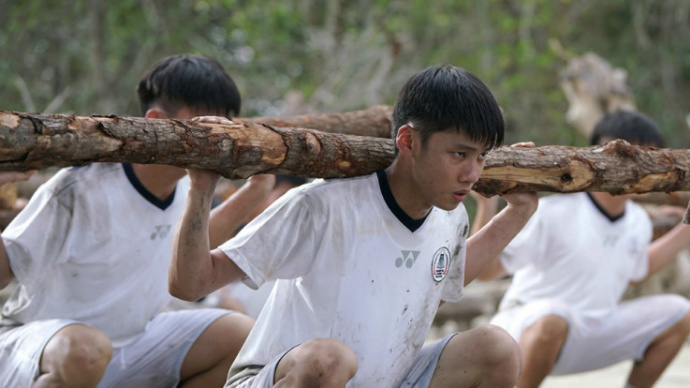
[155, 201]
[602, 211]
[399, 213]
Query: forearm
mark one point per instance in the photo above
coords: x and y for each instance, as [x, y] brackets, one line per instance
[486, 209]
[232, 213]
[664, 250]
[484, 247]
[191, 262]
[493, 271]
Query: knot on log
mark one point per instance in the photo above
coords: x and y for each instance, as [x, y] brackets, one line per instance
[566, 178]
[619, 147]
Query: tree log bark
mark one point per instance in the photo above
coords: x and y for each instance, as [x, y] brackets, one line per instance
[374, 121]
[617, 167]
[30, 141]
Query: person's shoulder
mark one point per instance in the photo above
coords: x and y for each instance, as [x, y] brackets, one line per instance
[324, 187]
[637, 210]
[333, 193]
[560, 200]
[560, 206]
[69, 178]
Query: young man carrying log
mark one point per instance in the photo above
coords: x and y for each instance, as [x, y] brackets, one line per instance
[90, 253]
[363, 263]
[571, 266]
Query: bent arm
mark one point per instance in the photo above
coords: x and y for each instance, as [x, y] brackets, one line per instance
[195, 270]
[486, 210]
[664, 250]
[485, 246]
[227, 217]
[493, 271]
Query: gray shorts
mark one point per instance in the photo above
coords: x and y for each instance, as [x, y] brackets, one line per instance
[419, 375]
[152, 359]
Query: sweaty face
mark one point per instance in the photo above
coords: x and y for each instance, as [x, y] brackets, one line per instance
[446, 169]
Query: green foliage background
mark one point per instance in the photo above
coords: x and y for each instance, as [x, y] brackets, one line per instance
[301, 56]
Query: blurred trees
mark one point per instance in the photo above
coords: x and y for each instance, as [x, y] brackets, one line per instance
[302, 56]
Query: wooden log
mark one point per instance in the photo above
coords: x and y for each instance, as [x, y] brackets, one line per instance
[30, 141]
[617, 167]
[374, 121]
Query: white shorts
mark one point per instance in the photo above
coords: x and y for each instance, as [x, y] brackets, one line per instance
[622, 335]
[153, 359]
[419, 375]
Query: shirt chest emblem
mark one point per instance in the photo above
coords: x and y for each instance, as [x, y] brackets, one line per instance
[440, 264]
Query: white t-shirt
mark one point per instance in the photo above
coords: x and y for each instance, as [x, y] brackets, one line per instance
[94, 246]
[572, 251]
[348, 267]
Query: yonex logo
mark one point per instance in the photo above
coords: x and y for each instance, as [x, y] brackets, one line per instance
[408, 258]
[161, 231]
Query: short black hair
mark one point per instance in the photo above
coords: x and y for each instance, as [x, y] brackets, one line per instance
[446, 97]
[633, 127]
[195, 81]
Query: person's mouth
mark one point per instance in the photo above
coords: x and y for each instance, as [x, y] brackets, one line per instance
[460, 195]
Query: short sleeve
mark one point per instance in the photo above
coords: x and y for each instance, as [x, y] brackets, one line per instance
[37, 235]
[455, 281]
[641, 255]
[280, 243]
[453, 289]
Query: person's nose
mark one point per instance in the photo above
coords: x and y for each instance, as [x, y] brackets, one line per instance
[472, 171]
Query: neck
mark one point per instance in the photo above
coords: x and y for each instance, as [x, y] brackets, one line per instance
[402, 189]
[613, 205]
[159, 180]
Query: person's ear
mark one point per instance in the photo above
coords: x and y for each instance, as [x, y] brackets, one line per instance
[155, 113]
[404, 140]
